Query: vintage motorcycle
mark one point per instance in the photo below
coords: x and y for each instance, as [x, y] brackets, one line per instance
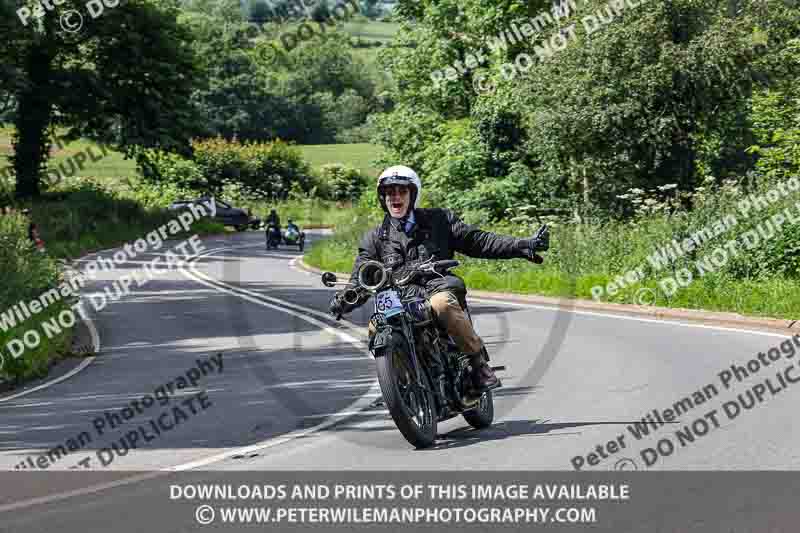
[294, 237]
[423, 376]
[273, 235]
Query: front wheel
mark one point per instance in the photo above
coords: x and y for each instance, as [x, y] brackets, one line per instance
[412, 407]
[482, 415]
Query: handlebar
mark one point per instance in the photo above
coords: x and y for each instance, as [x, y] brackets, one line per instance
[427, 267]
[372, 276]
[446, 264]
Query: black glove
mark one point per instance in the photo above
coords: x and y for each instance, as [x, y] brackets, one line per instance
[336, 306]
[538, 243]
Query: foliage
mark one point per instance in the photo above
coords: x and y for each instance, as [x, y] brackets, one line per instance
[342, 182]
[159, 166]
[776, 120]
[660, 95]
[259, 91]
[268, 170]
[81, 81]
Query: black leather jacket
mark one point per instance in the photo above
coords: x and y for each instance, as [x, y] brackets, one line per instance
[438, 233]
[274, 219]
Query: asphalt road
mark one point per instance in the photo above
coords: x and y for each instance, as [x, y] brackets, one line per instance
[297, 391]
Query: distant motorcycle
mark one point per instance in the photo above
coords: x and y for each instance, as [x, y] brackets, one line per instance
[273, 236]
[294, 237]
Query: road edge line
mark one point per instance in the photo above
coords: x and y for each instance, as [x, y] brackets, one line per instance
[356, 408]
[83, 364]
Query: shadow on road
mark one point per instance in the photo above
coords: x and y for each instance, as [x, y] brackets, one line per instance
[467, 436]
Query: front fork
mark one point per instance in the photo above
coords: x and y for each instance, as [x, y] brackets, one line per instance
[412, 346]
[381, 326]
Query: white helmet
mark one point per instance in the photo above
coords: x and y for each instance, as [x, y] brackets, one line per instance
[400, 175]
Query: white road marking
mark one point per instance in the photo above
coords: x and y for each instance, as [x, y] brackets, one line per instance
[356, 407]
[666, 321]
[39, 404]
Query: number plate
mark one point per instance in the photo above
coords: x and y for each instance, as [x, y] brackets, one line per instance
[388, 303]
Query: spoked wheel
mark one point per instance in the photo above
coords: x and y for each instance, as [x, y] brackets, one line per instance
[411, 406]
[483, 414]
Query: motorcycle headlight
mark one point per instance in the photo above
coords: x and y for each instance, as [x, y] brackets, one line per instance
[372, 275]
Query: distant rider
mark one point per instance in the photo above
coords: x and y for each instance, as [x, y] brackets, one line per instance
[273, 219]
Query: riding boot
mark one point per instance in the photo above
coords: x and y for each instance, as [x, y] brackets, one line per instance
[483, 377]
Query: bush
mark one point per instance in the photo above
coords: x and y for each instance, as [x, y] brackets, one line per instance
[158, 166]
[26, 274]
[158, 195]
[320, 12]
[364, 133]
[775, 116]
[268, 170]
[342, 182]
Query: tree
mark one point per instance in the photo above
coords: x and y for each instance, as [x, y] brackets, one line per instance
[124, 79]
[634, 96]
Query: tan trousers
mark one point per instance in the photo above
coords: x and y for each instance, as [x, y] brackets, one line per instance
[448, 313]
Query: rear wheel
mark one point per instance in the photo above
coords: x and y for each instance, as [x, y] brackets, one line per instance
[483, 414]
[412, 408]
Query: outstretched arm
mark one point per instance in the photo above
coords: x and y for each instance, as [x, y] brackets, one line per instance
[474, 242]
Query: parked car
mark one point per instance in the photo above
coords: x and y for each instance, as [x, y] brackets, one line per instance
[222, 212]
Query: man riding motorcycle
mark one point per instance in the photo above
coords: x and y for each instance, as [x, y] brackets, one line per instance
[410, 234]
[273, 219]
[273, 228]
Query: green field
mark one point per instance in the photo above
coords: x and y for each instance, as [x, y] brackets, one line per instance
[368, 30]
[109, 168]
[358, 156]
[114, 169]
[372, 30]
